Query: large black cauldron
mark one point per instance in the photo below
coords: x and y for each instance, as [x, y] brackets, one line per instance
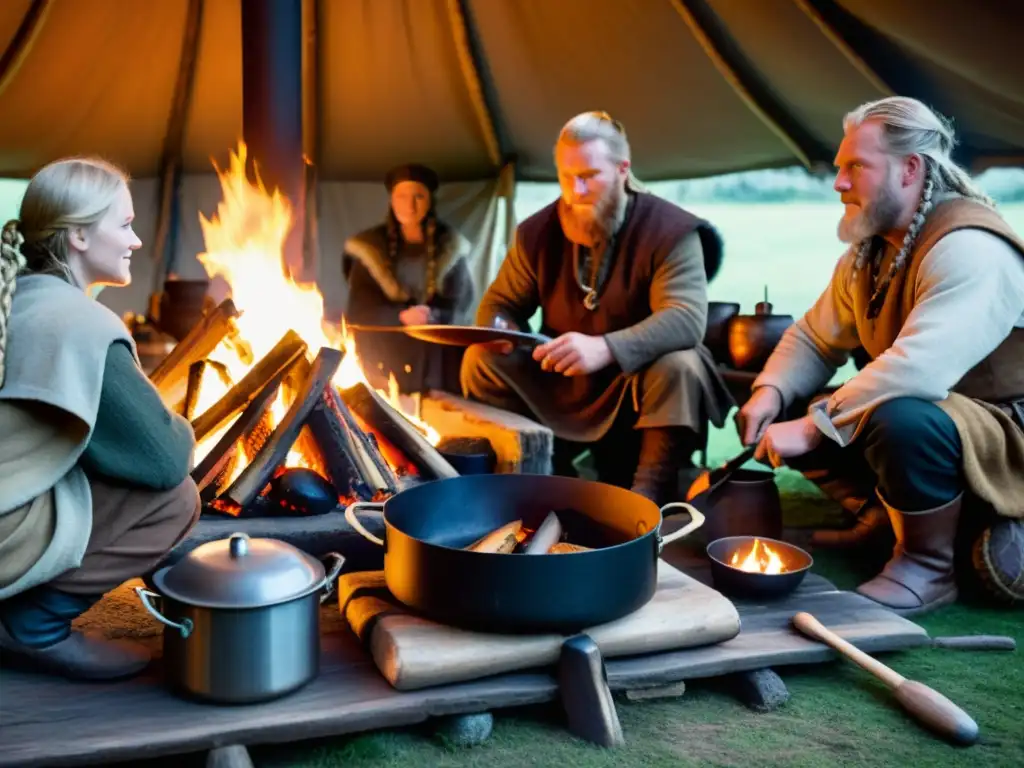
[427, 568]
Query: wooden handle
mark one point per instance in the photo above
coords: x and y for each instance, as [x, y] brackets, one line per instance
[930, 707]
[937, 712]
[811, 627]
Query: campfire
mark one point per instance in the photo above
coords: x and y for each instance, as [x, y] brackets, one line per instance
[270, 385]
[758, 558]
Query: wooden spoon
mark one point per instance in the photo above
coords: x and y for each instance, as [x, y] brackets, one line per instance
[927, 705]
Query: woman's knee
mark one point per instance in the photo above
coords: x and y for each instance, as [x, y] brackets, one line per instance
[180, 512]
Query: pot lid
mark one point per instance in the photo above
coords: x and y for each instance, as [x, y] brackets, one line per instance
[240, 572]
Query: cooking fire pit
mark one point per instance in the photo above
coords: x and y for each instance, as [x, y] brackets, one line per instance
[756, 566]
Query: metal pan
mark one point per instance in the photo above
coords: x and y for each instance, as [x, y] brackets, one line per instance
[427, 567]
[457, 335]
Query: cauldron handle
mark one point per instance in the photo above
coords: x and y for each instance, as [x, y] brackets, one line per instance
[696, 521]
[350, 516]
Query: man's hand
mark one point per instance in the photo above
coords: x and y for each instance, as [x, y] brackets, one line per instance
[418, 315]
[788, 440]
[574, 354]
[763, 407]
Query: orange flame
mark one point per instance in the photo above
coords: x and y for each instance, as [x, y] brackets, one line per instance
[760, 558]
[244, 243]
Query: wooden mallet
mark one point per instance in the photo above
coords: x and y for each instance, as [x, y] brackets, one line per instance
[928, 706]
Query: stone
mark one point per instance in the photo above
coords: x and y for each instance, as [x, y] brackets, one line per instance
[760, 689]
[465, 730]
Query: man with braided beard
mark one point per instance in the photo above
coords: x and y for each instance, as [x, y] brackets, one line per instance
[932, 288]
[620, 278]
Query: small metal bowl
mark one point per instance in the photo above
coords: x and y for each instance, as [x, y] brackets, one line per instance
[740, 583]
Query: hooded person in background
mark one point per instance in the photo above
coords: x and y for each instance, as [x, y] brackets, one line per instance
[932, 288]
[620, 278]
[94, 483]
[410, 270]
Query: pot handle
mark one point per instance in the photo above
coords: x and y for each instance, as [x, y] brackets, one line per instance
[185, 627]
[332, 578]
[696, 521]
[350, 516]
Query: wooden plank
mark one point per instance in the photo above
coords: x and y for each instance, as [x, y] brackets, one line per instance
[63, 723]
[414, 652]
[767, 640]
[59, 723]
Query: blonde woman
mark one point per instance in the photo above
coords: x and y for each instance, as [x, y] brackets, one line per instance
[94, 485]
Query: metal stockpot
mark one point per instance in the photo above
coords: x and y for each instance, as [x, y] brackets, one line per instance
[242, 618]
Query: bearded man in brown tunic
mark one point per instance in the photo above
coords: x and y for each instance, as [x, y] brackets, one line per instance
[620, 278]
[929, 435]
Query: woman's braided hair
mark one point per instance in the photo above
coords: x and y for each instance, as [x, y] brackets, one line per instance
[11, 262]
[910, 127]
[68, 193]
[435, 234]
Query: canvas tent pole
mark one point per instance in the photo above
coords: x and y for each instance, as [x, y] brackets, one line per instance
[470, 65]
[165, 240]
[272, 110]
[730, 61]
[25, 36]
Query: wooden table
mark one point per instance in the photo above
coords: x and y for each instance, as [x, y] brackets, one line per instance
[51, 722]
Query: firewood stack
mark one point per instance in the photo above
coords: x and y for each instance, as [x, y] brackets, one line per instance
[345, 435]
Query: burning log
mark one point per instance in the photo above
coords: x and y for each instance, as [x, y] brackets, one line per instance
[500, 541]
[196, 372]
[171, 375]
[380, 416]
[195, 382]
[348, 459]
[211, 473]
[274, 452]
[279, 359]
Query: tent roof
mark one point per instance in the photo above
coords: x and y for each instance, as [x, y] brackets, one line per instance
[703, 86]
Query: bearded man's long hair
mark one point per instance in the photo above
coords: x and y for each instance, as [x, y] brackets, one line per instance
[910, 127]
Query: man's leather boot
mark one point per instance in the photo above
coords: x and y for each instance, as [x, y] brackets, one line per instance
[35, 632]
[920, 576]
[998, 557]
[664, 453]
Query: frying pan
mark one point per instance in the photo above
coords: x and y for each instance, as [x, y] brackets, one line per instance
[458, 335]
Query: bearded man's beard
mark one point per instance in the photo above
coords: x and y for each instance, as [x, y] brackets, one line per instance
[878, 217]
[592, 224]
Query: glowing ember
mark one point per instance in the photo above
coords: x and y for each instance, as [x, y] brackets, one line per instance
[760, 558]
[244, 243]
